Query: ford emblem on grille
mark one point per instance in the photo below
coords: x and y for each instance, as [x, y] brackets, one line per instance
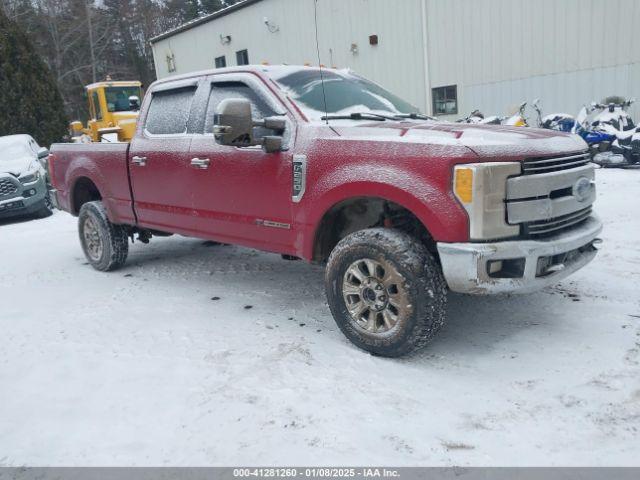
[582, 189]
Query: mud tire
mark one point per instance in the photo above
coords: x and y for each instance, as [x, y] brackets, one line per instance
[114, 238]
[424, 285]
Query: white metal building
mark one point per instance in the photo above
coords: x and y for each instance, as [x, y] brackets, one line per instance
[444, 56]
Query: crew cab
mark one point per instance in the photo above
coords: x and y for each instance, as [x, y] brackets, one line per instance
[326, 166]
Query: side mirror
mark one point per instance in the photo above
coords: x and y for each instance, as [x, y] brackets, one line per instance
[43, 152]
[272, 144]
[134, 103]
[233, 126]
[75, 128]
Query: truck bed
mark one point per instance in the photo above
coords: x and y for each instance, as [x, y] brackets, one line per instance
[73, 164]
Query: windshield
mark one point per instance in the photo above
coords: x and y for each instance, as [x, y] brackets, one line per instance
[118, 98]
[12, 149]
[345, 92]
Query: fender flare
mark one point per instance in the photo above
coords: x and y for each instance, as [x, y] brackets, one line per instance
[391, 185]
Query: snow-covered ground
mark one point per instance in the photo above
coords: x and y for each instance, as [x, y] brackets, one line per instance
[216, 355]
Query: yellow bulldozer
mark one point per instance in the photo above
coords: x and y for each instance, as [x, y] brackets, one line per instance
[113, 113]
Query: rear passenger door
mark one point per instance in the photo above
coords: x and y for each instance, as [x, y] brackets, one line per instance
[159, 161]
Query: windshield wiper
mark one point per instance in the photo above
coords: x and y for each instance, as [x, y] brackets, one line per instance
[415, 116]
[359, 116]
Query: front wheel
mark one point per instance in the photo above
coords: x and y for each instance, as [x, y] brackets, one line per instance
[105, 244]
[46, 209]
[386, 291]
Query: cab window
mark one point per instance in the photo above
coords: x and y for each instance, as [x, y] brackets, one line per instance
[169, 111]
[118, 98]
[96, 113]
[233, 89]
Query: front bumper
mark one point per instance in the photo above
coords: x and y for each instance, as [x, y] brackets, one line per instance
[466, 266]
[26, 200]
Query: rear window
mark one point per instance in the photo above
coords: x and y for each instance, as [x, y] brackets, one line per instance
[169, 111]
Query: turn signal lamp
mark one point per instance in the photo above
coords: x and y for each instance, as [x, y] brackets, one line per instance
[464, 184]
[481, 188]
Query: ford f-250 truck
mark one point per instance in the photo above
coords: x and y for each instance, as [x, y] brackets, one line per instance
[333, 168]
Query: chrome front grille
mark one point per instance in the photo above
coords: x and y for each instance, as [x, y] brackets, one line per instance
[7, 187]
[534, 166]
[555, 194]
[542, 228]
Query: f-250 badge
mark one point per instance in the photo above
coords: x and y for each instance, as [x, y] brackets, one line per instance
[299, 177]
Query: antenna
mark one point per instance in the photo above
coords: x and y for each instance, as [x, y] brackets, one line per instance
[324, 93]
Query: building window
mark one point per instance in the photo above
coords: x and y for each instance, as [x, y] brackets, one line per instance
[445, 100]
[171, 63]
[221, 62]
[242, 57]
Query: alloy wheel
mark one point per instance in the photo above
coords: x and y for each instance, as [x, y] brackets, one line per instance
[92, 239]
[375, 295]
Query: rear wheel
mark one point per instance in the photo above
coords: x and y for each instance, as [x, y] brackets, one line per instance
[386, 291]
[105, 244]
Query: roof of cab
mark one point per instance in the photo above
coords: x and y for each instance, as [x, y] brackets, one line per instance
[269, 70]
[110, 83]
[19, 136]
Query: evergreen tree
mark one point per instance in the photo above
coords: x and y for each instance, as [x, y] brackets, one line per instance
[30, 101]
[86, 40]
[212, 6]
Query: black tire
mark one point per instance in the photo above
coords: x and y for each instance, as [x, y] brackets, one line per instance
[423, 285]
[46, 209]
[113, 239]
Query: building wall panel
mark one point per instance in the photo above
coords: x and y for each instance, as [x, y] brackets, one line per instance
[502, 52]
[396, 63]
[498, 52]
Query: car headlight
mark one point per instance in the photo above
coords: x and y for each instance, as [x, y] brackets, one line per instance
[481, 188]
[30, 177]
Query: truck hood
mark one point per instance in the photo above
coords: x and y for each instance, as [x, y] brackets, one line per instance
[15, 166]
[491, 141]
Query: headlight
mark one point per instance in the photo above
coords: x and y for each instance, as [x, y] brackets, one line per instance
[30, 177]
[481, 188]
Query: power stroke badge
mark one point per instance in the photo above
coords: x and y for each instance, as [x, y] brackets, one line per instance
[299, 177]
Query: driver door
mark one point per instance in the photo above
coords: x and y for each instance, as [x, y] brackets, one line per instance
[242, 195]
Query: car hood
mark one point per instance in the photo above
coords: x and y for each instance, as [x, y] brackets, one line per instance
[492, 141]
[15, 166]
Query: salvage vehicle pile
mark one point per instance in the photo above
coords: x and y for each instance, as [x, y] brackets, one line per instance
[607, 128]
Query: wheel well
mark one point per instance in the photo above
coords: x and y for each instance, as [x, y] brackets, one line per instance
[84, 191]
[357, 214]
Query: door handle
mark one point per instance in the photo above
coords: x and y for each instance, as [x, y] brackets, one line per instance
[201, 163]
[140, 161]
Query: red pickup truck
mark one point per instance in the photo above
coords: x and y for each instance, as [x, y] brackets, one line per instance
[326, 166]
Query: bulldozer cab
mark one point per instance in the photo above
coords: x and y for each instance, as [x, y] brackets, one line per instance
[113, 111]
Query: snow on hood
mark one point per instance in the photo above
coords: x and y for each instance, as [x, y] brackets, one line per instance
[485, 140]
[491, 141]
[15, 166]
